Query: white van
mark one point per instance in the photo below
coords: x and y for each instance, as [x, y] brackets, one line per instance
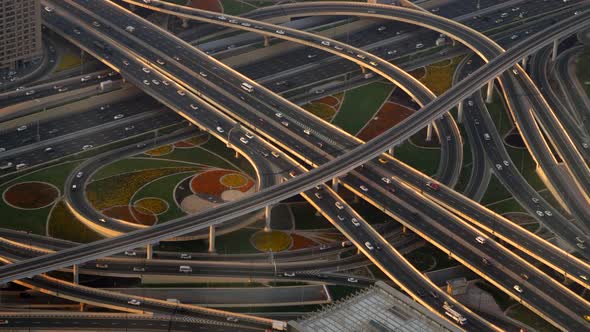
[185, 269]
[247, 87]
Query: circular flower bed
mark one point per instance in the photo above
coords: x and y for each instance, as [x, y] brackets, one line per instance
[274, 240]
[233, 180]
[30, 195]
[153, 204]
[211, 183]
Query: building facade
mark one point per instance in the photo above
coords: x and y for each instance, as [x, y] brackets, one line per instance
[20, 32]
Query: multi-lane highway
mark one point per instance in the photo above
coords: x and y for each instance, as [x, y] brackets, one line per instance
[324, 147]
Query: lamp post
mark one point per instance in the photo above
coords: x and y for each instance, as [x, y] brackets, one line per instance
[237, 125]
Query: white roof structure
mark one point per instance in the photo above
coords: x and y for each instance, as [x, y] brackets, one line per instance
[380, 308]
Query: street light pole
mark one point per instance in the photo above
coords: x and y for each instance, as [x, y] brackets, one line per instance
[237, 125]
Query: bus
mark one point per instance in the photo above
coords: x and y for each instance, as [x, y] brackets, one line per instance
[457, 317]
[247, 87]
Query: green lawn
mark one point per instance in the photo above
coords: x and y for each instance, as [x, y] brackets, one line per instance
[360, 105]
[65, 226]
[583, 70]
[305, 217]
[423, 159]
[502, 119]
[135, 164]
[234, 7]
[528, 317]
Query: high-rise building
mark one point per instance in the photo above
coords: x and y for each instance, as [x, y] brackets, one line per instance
[20, 31]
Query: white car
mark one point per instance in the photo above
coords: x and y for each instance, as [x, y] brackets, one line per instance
[355, 222]
[146, 82]
[231, 318]
[517, 288]
[325, 43]
[364, 188]
[580, 245]
[134, 302]
[219, 129]
[118, 116]
[470, 102]
[382, 28]
[579, 239]
[87, 147]
[547, 212]
[480, 240]
[146, 70]
[21, 128]
[279, 115]
[486, 136]
[160, 62]
[369, 245]
[535, 200]
[499, 167]
[506, 163]
[339, 205]
[181, 93]
[156, 82]
[195, 107]
[130, 253]
[289, 274]
[185, 256]
[166, 83]
[419, 45]
[243, 140]
[341, 218]
[386, 180]
[540, 213]
[203, 74]
[280, 32]
[249, 135]
[353, 280]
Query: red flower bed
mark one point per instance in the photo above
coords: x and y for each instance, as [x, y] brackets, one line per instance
[212, 5]
[131, 214]
[31, 195]
[209, 183]
[300, 242]
[388, 116]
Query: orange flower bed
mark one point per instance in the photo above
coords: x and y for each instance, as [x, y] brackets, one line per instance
[328, 100]
[212, 5]
[31, 195]
[191, 142]
[131, 214]
[209, 183]
[388, 116]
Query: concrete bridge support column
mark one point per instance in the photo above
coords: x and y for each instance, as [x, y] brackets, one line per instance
[76, 272]
[460, 112]
[149, 251]
[363, 69]
[212, 238]
[335, 184]
[237, 155]
[266, 41]
[554, 52]
[490, 92]
[525, 60]
[267, 216]
[429, 132]
[391, 150]
[82, 306]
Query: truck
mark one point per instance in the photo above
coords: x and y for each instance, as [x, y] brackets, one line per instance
[279, 325]
[173, 301]
[105, 85]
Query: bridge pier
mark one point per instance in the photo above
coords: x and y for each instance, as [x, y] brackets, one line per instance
[212, 238]
[525, 61]
[335, 184]
[76, 274]
[266, 41]
[237, 155]
[363, 69]
[267, 216]
[149, 251]
[490, 92]
[554, 52]
[429, 132]
[460, 112]
[82, 306]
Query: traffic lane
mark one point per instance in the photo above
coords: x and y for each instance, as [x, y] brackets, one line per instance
[65, 148]
[52, 128]
[455, 238]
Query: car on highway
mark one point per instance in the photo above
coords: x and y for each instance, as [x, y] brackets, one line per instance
[202, 73]
[118, 116]
[138, 269]
[311, 56]
[249, 135]
[341, 218]
[185, 256]
[487, 136]
[146, 82]
[364, 188]
[49, 9]
[579, 239]
[318, 195]
[369, 245]
[87, 147]
[185, 269]
[535, 200]
[160, 62]
[146, 70]
[338, 47]
[293, 174]
[130, 253]
[506, 163]
[480, 240]
[355, 222]
[102, 220]
[219, 129]
[289, 274]
[126, 62]
[580, 245]
[156, 82]
[547, 212]
[524, 276]
[339, 205]
[243, 140]
[285, 123]
[419, 45]
[382, 28]
[433, 185]
[74, 187]
[307, 131]
[279, 115]
[486, 261]
[499, 167]
[3, 321]
[280, 32]
[360, 56]
[21, 128]
[231, 318]
[129, 128]
[30, 92]
[181, 93]
[386, 180]
[383, 160]
[325, 43]
[352, 280]
[275, 154]
[134, 302]
[195, 107]
[101, 266]
[85, 78]
[540, 213]
[583, 277]
[517, 288]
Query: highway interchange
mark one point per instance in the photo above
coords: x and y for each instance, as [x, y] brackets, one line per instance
[404, 195]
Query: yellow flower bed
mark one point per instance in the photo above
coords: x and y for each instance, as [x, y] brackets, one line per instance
[118, 189]
[152, 204]
[160, 151]
[320, 110]
[233, 180]
[275, 241]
